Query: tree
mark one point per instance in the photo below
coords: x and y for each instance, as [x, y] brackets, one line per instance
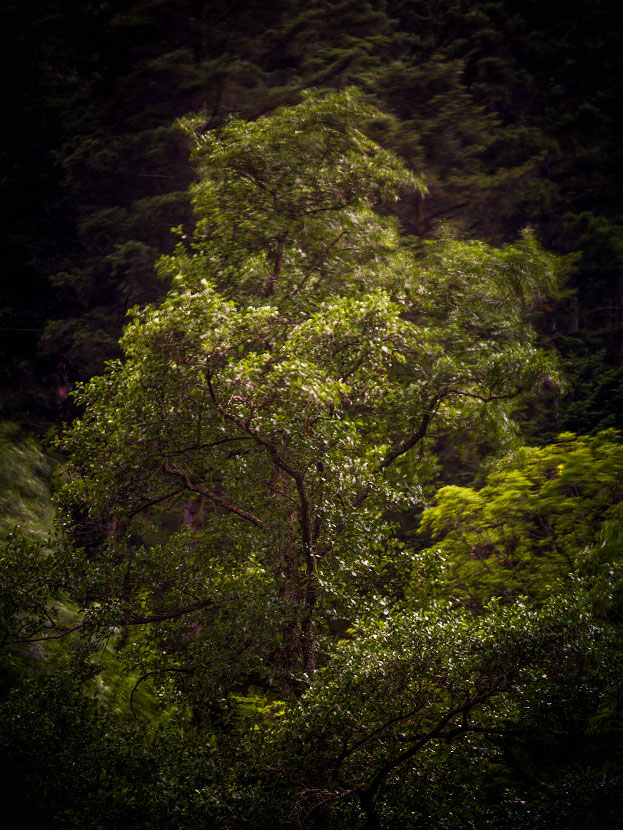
[545, 517]
[417, 720]
[301, 358]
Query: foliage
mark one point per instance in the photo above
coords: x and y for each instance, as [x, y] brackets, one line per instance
[26, 476]
[419, 713]
[230, 542]
[592, 400]
[488, 101]
[540, 518]
[287, 411]
[68, 762]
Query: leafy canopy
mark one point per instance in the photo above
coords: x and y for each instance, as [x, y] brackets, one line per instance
[545, 516]
[283, 389]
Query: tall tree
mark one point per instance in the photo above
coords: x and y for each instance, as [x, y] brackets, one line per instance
[300, 359]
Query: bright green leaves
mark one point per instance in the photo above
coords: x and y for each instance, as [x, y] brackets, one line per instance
[545, 515]
[286, 200]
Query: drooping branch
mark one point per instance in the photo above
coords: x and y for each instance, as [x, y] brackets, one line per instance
[367, 793]
[214, 497]
[127, 620]
[64, 632]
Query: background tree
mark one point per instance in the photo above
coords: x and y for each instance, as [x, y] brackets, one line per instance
[534, 526]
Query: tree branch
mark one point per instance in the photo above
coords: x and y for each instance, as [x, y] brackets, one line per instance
[484, 398]
[63, 633]
[403, 445]
[134, 619]
[318, 261]
[210, 494]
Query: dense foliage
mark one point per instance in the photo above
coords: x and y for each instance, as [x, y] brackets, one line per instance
[229, 520]
[510, 111]
[289, 415]
[302, 571]
[545, 516]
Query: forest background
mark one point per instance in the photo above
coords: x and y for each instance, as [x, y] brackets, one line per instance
[510, 116]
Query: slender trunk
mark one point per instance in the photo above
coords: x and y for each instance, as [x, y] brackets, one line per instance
[298, 652]
[271, 281]
[307, 632]
[291, 633]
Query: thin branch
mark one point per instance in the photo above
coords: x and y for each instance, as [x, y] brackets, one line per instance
[63, 633]
[210, 445]
[349, 751]
[134, 619]
[210, 494]
[403, 445]
[318, 261]
[273, 489]
[484, 398]
[156, 500]
[428, 219]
